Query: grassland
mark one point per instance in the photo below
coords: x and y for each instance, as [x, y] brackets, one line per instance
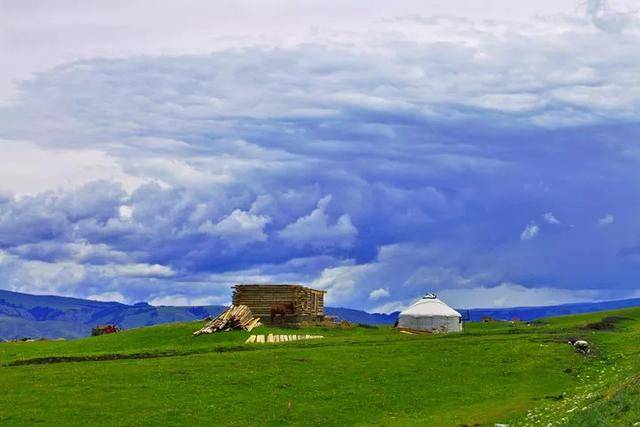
[496, 372]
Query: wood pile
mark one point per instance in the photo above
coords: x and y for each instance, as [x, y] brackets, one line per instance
[236, 317]
[410, 331]
[271, 338]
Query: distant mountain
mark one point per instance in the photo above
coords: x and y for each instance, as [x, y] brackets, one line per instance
[533, 313]
[358, 316]
[43, 316]
[40, 316]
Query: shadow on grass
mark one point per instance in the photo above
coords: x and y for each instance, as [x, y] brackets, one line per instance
[124, 356]
[606, 324]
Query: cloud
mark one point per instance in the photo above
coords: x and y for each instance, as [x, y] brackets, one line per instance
[436, 276]
[29, 169]
[500, 296]
[51, 215]
[186, 300]
[136, 270]
[514, 295]
[379, 293]
[550, 218]
[400, 153]
[390, 307]
[315, 229]
[80, 251]
[125, 212]
[530, 231]
[606, 220]
[238, 228]
[342, 283]
[487, 278]
[605, 18]
[406, 270]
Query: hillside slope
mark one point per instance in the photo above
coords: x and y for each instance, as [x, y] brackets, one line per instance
[533, 313]
[493, 372]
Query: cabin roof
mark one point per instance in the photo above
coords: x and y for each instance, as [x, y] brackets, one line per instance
[269, 286]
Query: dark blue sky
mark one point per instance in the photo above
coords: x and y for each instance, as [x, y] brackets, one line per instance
[490, 159]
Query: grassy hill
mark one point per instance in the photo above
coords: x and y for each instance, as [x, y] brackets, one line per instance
[495, 372]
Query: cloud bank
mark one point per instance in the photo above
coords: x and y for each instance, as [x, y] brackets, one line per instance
[477, 158]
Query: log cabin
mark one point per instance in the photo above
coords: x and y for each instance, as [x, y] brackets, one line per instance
[308, 304]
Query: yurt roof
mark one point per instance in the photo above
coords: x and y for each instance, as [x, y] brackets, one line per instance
[430, 305]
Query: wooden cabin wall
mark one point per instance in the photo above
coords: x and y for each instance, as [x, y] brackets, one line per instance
[320, 306]
[260, 298]
[315, 302]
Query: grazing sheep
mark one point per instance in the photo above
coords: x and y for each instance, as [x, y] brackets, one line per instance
[581, 346]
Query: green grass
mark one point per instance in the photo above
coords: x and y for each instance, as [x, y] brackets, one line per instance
[495, 372]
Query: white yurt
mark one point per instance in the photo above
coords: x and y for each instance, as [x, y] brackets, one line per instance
[430, 314]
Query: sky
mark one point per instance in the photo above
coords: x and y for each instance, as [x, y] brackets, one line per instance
[487, 151]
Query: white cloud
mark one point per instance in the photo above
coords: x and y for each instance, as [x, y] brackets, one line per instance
[26, 168]
[81, 252]
[391, 307]
[342, 283]
[125, 212]
[135, 270]
[406, 270]
[606, 18]
[42, 278]
[409, 270]
[530, 231]
[550, 218]
[238, 228]
[379, 293]
[187, 300]
[606, 220]
[315, 229]
[52, 35]
[514, 295]
[501, 296]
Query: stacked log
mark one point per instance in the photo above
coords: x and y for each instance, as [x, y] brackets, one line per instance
[236, 317]
[271, 338]
[260, 298]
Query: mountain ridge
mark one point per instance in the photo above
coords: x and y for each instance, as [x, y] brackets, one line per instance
[50, 316]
